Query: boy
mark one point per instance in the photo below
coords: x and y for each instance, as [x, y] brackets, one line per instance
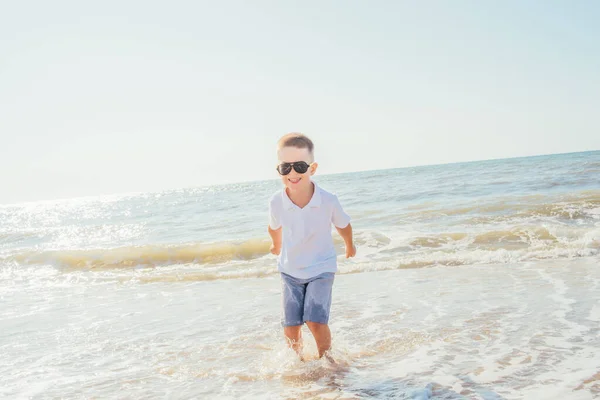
[300, 221]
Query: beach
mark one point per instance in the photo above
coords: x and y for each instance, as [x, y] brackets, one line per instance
[472, 281]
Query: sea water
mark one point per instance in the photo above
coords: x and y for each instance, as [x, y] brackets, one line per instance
[472, 280]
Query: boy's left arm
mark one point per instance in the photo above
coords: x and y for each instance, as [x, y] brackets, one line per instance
[340, 218]
[346, 234]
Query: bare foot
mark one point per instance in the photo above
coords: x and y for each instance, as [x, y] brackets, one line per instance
[330, 358]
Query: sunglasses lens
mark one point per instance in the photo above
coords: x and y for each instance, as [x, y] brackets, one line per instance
[284, 168]
[300, 167]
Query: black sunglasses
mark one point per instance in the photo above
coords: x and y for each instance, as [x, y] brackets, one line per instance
[299, 166]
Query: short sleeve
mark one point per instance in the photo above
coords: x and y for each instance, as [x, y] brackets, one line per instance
[274, 216]
[339, 217]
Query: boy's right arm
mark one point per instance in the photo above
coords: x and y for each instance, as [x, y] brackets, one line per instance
[275, 222]
[276, 239]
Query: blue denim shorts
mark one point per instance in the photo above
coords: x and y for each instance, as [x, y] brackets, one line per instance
[306, 299]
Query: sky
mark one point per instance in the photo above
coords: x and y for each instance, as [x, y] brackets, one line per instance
[128, 96]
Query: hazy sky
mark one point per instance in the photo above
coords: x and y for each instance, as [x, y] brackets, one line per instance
[125, 96]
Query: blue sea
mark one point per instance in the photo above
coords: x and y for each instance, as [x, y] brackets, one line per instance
[471, 280]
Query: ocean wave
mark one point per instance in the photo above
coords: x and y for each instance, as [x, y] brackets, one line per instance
[376, 251]
[584, 206]
[497, 230]
[150, 256]
[439, 258]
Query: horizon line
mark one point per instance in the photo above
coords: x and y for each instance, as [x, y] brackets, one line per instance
[59, 199]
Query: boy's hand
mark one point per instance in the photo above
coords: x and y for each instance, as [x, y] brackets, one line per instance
[275, 240]
[350, 251]
[275, 249]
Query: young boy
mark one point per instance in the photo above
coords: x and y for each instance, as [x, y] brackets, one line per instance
[300, 221]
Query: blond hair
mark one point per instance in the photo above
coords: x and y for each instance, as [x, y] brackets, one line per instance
[295, 139]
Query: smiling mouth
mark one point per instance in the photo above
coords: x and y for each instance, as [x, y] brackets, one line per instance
[294, 180]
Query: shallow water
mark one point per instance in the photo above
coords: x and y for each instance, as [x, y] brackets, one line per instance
[516, 331]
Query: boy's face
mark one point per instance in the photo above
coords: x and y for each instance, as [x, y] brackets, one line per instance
[294, 180]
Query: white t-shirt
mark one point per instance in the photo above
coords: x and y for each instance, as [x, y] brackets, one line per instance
[306, 242]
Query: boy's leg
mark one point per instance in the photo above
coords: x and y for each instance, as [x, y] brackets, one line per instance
[322, 336]
[293, 335]
[317, 305]
[293, 292]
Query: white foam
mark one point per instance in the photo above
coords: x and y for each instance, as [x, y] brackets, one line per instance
[594, 313]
